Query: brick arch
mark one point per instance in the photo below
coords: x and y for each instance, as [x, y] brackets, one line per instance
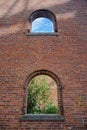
[59, 88]
[44, 13]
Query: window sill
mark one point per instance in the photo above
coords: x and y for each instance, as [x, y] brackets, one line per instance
[48, 117]
[42, 34]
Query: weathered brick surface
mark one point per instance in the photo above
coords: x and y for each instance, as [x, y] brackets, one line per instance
[65, 56]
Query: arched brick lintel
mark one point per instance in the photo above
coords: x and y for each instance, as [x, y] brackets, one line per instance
[45, 72]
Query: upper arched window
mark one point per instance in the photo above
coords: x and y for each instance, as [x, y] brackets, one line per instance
[43, 21]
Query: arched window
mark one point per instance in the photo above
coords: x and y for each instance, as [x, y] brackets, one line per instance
[42, 95]
[49, 101]
[43, 21]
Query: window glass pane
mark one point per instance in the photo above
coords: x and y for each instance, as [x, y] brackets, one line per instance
[42, 25]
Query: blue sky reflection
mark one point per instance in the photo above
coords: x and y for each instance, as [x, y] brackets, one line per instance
[42, 25]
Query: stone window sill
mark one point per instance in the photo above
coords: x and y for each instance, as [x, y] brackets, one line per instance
[42, 117]
[42, 34]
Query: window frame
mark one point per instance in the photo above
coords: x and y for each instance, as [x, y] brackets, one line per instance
[60, 115]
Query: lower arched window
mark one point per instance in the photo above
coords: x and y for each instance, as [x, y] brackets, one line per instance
[43, 96]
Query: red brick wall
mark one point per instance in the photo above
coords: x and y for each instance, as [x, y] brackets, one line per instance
[64, 55]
